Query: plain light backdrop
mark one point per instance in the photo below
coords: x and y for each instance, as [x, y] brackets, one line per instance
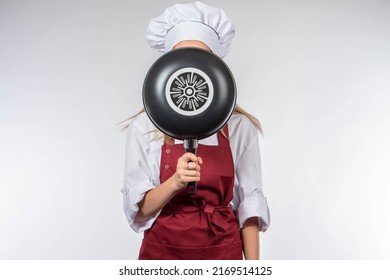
[316, 73]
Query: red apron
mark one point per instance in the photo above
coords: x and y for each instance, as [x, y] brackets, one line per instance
[200, 226]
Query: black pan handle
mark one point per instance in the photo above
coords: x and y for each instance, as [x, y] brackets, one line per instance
[190, 146]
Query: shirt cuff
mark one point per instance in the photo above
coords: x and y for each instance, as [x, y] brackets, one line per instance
[253, 207]
[131, 198]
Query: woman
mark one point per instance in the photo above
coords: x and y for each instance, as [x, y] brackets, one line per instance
[223, 218]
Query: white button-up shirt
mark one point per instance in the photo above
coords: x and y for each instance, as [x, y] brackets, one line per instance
[142, 169]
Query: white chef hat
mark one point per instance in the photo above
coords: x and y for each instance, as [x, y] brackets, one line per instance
[191, 21]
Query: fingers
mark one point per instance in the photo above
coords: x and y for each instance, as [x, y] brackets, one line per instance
[192, 166]
[190, 157]
[188, 169]
[190, 161]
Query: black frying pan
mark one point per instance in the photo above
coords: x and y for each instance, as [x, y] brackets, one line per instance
[189, 94]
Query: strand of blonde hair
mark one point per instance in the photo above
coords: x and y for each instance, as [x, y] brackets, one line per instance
[237, 109]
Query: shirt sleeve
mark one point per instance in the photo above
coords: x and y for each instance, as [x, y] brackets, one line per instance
[249, 200]
[138, 173]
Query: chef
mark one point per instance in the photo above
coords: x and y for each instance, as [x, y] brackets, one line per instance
[223, 218]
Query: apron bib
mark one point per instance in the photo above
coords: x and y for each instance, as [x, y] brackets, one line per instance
[200, 226]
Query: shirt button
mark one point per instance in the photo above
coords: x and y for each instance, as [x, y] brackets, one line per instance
[167, 151]
[166, 166]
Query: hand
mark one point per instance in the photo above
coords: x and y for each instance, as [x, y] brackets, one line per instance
[187, 170]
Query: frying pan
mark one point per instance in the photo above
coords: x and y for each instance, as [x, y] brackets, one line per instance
[189, 94]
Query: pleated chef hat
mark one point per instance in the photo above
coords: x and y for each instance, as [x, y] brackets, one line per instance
[191, 21]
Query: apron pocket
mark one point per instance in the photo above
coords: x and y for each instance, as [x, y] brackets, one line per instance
[154, 251]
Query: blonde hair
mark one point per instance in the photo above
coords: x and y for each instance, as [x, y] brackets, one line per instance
[237, 109]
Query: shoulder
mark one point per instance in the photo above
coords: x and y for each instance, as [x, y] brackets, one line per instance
[242, 135]
[141, 128]
[239, 124]
[141, 123]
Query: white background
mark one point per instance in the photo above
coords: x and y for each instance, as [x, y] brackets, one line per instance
[316, 74]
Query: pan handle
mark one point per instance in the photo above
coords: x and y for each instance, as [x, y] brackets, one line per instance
[190, 145]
